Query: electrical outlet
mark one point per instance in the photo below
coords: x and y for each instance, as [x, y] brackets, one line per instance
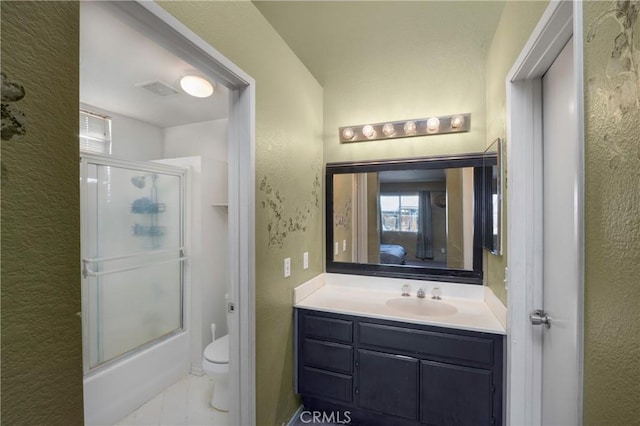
[337, 249]
[287, 267]
[305, 260]
[344, 245]
[506, 278]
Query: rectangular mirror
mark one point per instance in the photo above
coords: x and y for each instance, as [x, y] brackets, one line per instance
[418, 218]
[492, 195]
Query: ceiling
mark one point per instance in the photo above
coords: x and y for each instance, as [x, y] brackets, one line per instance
[327, 36]
[331, 36]
[115, 59]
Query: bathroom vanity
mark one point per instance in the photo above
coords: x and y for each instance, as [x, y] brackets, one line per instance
[400, 330]
[388, 364]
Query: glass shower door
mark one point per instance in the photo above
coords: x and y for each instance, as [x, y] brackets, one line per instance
[133, 255]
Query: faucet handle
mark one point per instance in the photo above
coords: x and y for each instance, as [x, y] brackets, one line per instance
[406, 289]
[435, 293]
[421, 293]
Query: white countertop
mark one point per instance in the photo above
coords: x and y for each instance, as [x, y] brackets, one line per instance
[367, 296]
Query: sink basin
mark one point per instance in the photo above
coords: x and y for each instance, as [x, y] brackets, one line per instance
[426, 307]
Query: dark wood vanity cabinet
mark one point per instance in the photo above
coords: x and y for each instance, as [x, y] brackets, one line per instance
[394, 373]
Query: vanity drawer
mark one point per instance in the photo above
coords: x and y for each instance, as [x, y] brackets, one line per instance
[466, 348]
[327, 355]
[333, 329]
[326, 384]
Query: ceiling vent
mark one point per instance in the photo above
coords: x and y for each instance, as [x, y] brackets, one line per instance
[159, 88]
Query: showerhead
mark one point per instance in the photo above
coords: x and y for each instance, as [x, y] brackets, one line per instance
[138, 181]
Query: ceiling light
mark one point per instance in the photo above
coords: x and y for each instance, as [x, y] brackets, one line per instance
[196, 86]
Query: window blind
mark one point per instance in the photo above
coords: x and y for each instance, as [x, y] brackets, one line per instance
[95, 132]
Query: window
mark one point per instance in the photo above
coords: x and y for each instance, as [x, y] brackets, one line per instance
[95, 132]
[399, 212]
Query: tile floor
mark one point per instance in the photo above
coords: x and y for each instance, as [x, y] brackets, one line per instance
[185, 403]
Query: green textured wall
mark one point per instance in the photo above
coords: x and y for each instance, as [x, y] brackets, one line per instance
[41, 333]
[288, 181]
[516, 24]
[612, 213]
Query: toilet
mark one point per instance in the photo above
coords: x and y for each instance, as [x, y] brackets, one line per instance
[215, 363]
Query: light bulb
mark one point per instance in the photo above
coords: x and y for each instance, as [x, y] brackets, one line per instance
[368, 131]
[196, 86]
[348, 133]
[457, 122]
[388, 129]
[410, 127]
[433, 124]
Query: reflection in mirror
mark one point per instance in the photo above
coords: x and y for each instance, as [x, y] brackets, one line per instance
[419, 218]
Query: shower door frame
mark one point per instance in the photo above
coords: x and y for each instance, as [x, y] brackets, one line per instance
[177, 37]
[87, 158]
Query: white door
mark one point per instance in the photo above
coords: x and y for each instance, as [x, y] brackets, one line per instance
[560, 345]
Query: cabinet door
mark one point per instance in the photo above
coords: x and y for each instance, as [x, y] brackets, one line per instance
[388, 383]
[455, 395]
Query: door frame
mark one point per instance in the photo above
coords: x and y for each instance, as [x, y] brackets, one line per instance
[241, 158]
[560, 21]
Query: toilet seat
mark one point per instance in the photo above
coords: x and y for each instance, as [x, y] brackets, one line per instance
[217, 352]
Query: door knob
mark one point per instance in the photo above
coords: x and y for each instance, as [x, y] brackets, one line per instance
[539, 316]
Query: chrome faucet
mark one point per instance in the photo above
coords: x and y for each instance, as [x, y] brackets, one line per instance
[420, 293]
[405, 290]
[435, 293]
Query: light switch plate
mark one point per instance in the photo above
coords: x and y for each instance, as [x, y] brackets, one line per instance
[337, 249]
[305, 260]
[344, 245]
[287, 267]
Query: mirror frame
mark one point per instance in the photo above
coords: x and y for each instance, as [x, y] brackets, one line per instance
[493, 159]
[473, 276]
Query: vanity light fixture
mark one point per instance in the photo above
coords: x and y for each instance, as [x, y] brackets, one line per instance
[433, 125]
[348, 133]
[368, 131]
[388, 129]
[196, 86]
[458, 123]
[409, 127]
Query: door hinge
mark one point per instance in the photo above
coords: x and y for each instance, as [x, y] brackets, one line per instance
[231, 307]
